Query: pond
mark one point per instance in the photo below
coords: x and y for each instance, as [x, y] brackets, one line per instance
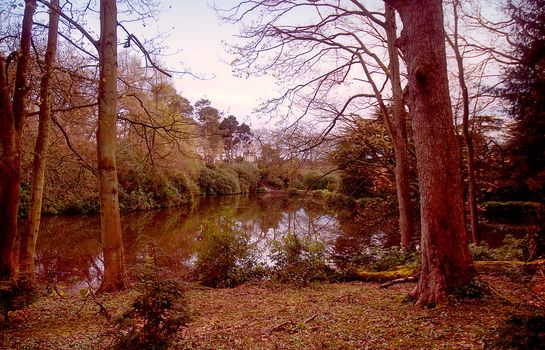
[69, 252]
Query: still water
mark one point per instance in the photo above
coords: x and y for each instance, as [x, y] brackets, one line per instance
[69, 252]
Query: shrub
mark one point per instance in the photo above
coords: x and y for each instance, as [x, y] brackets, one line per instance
[186, 187]
[512, 249]
[225, 257]
[277, 183]
[521, 332]
[299, 261]
[136, 200]
[83, 206]
[214, 181]
[248, 175]
[513, 212]
[376, 258]
[315, 180]
[155, 316]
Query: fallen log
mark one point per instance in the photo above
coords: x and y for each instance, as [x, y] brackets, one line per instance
[413, 278]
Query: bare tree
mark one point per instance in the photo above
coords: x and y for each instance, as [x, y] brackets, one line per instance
[355, 40]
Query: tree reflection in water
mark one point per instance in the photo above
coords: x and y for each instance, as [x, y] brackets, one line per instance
[69, 252]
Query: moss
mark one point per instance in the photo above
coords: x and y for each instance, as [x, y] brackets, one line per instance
[380, 276]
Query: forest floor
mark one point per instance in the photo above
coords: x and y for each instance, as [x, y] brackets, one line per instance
[352, 315]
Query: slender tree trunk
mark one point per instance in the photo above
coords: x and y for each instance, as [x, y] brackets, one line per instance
[399, 136]
[468, 140]
[9, 179]
[12, 118]
[28, 239]
[112, 243]
[446, 262]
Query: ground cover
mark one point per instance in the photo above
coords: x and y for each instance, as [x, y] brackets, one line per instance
[350, 315]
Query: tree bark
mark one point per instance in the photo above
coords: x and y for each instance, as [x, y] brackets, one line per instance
[28, 238]
[446, 262]
[399, 136]
[112, 243]
[12, 118]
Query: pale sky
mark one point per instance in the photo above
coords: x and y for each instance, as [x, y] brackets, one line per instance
[196, 31]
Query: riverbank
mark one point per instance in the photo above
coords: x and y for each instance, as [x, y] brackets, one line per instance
[351, 315]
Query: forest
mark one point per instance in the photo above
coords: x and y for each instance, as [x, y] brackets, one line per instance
[390, 196]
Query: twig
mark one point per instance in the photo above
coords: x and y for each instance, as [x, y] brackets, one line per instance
[280, 326]
[57, 291]
[83, 304]
[310, 318]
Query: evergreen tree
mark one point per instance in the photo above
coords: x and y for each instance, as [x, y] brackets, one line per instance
[525, 91]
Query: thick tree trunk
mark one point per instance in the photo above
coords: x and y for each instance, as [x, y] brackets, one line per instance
[399, 136]
[446, 262]
[112, 243]
[12, 118]
[28, 238]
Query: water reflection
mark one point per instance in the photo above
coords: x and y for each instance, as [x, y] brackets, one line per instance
[68, 250]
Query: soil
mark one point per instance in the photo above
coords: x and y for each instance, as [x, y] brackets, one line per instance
[352, 315]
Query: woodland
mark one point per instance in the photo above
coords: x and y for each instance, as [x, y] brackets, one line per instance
[422, 121]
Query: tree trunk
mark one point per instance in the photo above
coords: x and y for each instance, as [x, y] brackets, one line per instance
[12, 118]
[446, 262]
[468, 140]
[399, 136]
[28, 239]
[112, 244]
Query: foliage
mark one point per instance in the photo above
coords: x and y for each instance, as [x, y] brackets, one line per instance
[316, 180]
[521, 332]
[474, 290]
[525, 91]
[225, 256]
[216, 180]
[512, 249]
[299, 261]
[155, 317]
[513, 212]
[276, 183]
[248, 176]
[82, 206]
[377, 258]
[365, 155]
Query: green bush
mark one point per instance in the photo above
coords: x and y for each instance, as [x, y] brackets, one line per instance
[186, 187]
[513, 212]
[136, 200]
[315, 180]
[376, 258]
[151, 189]
[299, 261]
[155, 316]
[248, 175]
[225, 257]
[83, 206]
[512, 249]
[215, 181]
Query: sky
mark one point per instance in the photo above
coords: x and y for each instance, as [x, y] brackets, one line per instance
[195, 29]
